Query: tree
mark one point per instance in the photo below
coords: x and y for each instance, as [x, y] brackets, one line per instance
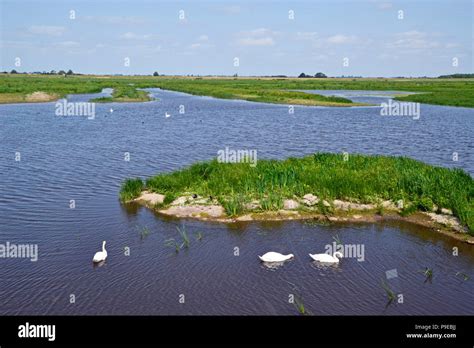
[302, 75]
[13, 72]
[69, 72]
[320, 75]
[156, 74]
[61, 72]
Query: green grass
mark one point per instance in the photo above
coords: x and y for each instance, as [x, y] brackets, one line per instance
[450, 91]
[124, 94]
[367, 179]
[131, 188]
[389, 292]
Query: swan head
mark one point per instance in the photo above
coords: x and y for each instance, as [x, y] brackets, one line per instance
[290, 256]
[338, 254]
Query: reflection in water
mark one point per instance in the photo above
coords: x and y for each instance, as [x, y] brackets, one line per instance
[273, 265]
[98, 264]
[324, 265]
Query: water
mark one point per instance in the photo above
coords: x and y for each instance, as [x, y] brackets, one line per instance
[73, 158]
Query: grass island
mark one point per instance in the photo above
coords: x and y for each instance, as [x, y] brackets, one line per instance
[324, 186]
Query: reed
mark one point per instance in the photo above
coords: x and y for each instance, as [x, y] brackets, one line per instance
[363, 178]
[131, 188]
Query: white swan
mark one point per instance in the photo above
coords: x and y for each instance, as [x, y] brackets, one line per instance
[100, 255]
[326, 257]
[275, 257]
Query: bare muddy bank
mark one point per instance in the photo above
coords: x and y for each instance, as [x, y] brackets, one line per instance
[309, 207]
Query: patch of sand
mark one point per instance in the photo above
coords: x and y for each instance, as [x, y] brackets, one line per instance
[38, 97]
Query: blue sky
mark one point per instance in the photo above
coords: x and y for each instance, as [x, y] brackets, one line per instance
[260, 34]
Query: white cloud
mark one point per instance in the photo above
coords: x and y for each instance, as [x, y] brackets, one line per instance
[203, 38]
[342, 39]
[264, 41]
[413, 40]
[307, 35]
[132, 36]
[49, 30]
[68, 44]
[116, 19]
[257, 37]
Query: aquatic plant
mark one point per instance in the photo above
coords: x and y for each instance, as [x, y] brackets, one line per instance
[463, 275]
[173, 243]
[428, 273]
[144, 232]
[299, 305]
[131, 188]
[199, 236]
[390, 294]
[337, 239]
[184, 236]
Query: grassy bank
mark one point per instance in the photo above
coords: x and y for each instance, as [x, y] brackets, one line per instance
[453, 92]
[366, 179]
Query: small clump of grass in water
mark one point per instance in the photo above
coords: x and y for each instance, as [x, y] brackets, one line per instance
[184, 236]
[337, 239]
[299, 305]
[428, 273]
[463, 275]
[199, 236]
[389, 292]
[174, 244]
[131, 188]
[144, 232]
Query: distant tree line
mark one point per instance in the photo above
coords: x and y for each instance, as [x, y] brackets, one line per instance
[318, 75]
[456, 76]
[52, 72]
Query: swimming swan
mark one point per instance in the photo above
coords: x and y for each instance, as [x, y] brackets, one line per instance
[326, 257]
[275, 257]
[100, 255]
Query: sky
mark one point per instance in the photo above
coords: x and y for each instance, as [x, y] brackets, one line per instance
[249, 38]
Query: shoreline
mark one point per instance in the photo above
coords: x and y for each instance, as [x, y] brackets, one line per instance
[203, 209]
[284, 91]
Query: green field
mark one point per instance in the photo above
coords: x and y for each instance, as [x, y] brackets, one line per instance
[450, 91]
[366, 179]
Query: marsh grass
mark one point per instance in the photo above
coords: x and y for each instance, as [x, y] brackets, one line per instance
[124, 94]
[455, 92]
[185, 241]
[299, 305]
[463, 275]
[364, 178]
[174, 244]
[184, 237]
[428, 273]
[337, 239]
[144, 232]
[389, 292]
[131, 188]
